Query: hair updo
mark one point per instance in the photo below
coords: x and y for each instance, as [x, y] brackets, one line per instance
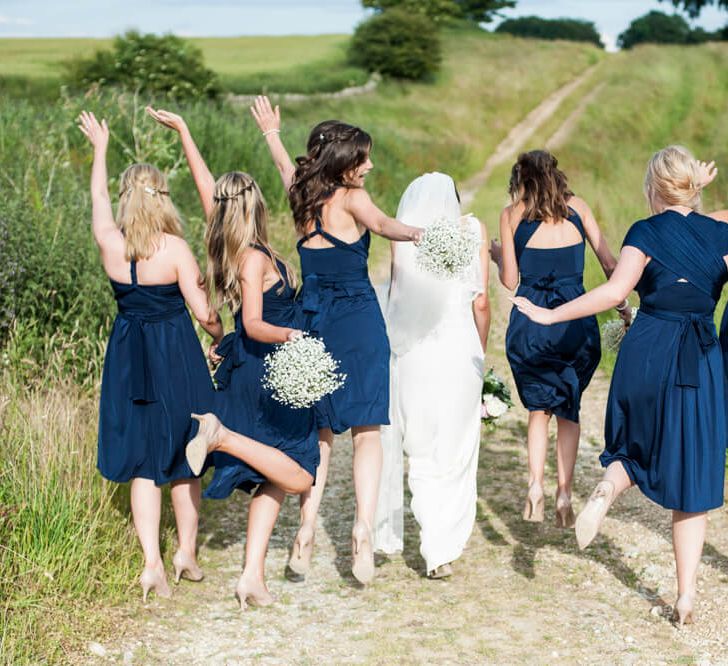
[673, 179]
[540, 185]
[334, 150]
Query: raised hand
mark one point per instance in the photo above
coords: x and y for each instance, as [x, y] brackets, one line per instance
[535, 313]
[707, 171]
[167, 118]
[97, 133]
[266, 117]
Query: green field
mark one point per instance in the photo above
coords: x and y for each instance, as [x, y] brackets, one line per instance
[50, 494]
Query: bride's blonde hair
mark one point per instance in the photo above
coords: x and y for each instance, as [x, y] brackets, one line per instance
[673, 178]
[145, 210]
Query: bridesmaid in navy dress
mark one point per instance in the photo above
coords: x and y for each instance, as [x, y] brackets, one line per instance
[245, 273]
[666, 418]
[543, 235]
[333, 216]
[154, 372]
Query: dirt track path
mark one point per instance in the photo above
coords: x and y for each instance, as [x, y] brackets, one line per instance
[522, 593]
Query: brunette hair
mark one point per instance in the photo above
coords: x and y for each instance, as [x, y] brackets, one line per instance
[672, 176]
[334, 150]
[537, 181]
[238, 220]
[145, 210]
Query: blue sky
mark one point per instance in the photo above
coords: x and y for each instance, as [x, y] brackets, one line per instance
[94, 18]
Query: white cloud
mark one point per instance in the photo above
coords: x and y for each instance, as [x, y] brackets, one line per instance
[10, 20]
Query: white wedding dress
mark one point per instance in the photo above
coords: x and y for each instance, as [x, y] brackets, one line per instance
[436, 372]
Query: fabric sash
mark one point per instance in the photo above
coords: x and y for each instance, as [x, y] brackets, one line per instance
[551, 284]
[320, 291]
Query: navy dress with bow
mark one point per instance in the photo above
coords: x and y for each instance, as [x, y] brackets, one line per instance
[340, 306]
[154, 375]
[666, 413]
[552, 365]
[243, 405]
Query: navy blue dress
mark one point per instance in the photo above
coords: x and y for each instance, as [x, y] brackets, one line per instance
[340, 306]
[666, 414]
[552, 365]
[244, 406]
[154, 375]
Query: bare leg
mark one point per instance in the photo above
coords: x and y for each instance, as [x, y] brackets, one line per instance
[264, 509]
[538, 441]
[302, 550]
[146, 509]
[688, 536]
[567, 446]
[617, 475]
[186, 503]
[367, 467]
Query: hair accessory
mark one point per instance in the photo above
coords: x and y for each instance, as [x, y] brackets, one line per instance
[321, 136]
[227, 197]
[152, 190]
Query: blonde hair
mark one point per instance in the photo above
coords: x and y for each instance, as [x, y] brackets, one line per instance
[145, 210]
[673, 178]
[238, 221]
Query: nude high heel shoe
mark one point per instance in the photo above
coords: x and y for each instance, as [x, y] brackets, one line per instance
[186, 567]
[252, 595]
[565, 517]
[302, 551]
[204, 442]
[683, 611]
[589, 521]
[362, 554]
[151, 579]
[533, 511]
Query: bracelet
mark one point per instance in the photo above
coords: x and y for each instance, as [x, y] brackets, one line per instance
[622, 306]
[271, 131]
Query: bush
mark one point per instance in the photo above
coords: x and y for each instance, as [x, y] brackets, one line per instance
[395, 43]
[167, 65]
[573, 30]
[656, 27]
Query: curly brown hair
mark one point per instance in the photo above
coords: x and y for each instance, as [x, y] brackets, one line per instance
[335, 149]
[537, 181]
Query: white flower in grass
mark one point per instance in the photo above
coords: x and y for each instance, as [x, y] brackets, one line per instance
[301, 372]
[493, 407]
[448, 249]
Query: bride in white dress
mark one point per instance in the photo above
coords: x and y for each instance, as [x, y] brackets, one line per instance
[438, 331]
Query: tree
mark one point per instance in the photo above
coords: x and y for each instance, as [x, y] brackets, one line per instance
[694, 7]
[536, 27]
[478, 11]
[656, 27]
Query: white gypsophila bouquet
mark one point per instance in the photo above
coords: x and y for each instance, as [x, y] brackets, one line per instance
[447, 249]
[301, 372]
[496, 398]
[613, 331]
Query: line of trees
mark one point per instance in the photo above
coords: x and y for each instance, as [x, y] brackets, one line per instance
[659, 28]
[574, 30]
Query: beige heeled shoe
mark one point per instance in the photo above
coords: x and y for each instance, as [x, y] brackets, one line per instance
[565, 518]
[589, 521]
[152, 579]
[204, 442]
[534, 509]
[186, 567]
[252, 595]
[362, 554]
[302, 551]
[443, 571]
[683, 611]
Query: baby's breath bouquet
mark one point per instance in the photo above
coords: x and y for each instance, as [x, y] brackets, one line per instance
[496, 398]
[613, 331]
[447, 249]
[301, 372]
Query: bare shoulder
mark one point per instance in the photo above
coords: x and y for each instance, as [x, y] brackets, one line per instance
[512, 214]
[579, 205]
[254, 261]
[174, 246]
[355, 196]
[720, 215]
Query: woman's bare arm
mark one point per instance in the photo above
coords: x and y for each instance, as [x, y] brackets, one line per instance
[268, 120]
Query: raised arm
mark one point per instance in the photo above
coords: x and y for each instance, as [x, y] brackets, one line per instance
[253, 272]
[361, 207]
[268, 120]
[504, 253]
[481, 304]
[204, 180]
[188, 278]
[594, 236]
[106, 234]
[623, 280]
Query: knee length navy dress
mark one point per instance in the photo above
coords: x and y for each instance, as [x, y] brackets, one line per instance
[340, 306]
[552, 365]
[243, 405]
[666, 413]
[154, 375]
